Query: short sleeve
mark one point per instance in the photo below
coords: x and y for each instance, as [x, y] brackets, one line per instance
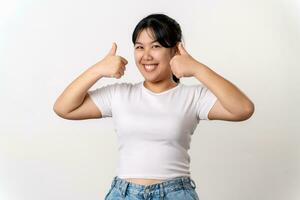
[205, 101]
[103, 97]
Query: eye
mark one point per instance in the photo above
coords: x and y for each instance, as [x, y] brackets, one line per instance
[156, 46]
[138, 47]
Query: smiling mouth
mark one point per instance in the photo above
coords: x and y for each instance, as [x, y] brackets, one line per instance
[150, 68]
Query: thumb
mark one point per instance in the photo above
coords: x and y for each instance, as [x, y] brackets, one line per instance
[113, 50]
[181, 49]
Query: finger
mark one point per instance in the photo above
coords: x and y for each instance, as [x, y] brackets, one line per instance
[181, 49]
[123, 68]
[113, 50]
[124, 60]
[118, 75]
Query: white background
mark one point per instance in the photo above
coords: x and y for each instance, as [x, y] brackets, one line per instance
[44, 45]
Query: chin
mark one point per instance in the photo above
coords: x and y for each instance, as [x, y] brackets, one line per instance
[151, 79]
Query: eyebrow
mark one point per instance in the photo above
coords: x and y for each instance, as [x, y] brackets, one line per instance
[150, 43]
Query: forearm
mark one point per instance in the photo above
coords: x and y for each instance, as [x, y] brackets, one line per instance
[73, 96]
[231, 98]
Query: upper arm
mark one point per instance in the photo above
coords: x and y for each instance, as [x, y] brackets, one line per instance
[218, 112]
[87, 110]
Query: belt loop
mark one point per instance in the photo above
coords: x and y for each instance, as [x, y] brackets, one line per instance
[124, 189]
[114, 182]
[161, 191]
[193, 183]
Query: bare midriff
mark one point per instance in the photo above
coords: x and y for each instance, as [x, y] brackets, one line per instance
[143, 181]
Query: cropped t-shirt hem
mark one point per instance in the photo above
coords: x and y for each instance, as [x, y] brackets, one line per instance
[161, 177]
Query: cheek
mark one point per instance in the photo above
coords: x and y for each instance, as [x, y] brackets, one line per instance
[164, 59]
[164, 56]
[136, 58]
[158, 56]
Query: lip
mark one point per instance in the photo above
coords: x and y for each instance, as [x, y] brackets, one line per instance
[144, 65]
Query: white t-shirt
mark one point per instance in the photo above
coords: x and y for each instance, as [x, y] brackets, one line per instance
[153, 129]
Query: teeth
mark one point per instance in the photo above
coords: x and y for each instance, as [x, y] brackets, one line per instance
[150, 66]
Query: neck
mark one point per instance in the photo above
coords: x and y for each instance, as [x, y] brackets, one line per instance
[160, 86]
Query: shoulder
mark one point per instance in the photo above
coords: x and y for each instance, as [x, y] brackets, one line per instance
[195, 88]
[196, 92]
[122, 87]
[119, 85]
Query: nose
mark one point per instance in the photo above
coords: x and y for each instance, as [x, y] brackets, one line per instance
[147, 55]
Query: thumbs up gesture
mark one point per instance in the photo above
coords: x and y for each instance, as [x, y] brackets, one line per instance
[183, 64]
[111, 65]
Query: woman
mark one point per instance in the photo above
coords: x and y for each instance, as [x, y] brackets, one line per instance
[155, 118]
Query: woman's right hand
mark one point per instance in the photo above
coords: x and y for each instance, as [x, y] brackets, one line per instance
[111, 65]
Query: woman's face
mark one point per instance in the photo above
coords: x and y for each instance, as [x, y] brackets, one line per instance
[151, 58]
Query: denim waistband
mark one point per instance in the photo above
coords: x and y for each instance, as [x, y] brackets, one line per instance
[178, 183]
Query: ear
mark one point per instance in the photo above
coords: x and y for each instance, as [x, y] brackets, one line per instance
[174, 51]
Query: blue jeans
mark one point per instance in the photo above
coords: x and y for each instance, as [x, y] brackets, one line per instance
[182, 188]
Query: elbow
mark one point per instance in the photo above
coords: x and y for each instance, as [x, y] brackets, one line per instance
[58, 111]
[247, 112]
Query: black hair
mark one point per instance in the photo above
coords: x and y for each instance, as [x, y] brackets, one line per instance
[165, 29]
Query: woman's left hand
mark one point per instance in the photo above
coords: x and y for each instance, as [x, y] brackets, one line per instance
[183, 64]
